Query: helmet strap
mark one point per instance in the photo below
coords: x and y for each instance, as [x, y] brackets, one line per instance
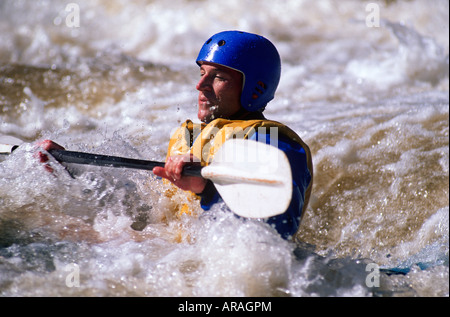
[243, 114]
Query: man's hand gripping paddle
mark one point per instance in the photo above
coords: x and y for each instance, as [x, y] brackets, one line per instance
[254, 179]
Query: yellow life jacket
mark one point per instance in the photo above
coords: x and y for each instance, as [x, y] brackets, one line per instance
[204, 140]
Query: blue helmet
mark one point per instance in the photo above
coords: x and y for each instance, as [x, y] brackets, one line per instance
[252, 55]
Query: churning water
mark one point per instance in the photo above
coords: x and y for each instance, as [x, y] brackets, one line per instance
[366, 85]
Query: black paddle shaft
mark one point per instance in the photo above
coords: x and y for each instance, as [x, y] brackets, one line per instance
[115, 161]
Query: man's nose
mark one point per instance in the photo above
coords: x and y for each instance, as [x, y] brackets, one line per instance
[204, 83]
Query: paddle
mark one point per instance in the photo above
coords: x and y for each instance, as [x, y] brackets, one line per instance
[254, 179]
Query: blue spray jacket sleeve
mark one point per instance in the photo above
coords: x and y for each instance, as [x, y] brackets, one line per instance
[287, 223]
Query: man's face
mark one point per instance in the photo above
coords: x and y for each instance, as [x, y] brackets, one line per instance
[219, 92]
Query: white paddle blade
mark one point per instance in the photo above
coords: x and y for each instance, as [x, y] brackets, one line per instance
[8, 143]
[6, 148]
[253, 178]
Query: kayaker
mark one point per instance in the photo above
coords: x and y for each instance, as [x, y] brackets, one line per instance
[239, 74]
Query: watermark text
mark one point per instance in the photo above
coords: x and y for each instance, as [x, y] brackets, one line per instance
[373, 18]
[227, 306]
[73, 278]
[73, 16]
[373, 278]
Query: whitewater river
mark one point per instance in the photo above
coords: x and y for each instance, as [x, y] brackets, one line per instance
[365, 84]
